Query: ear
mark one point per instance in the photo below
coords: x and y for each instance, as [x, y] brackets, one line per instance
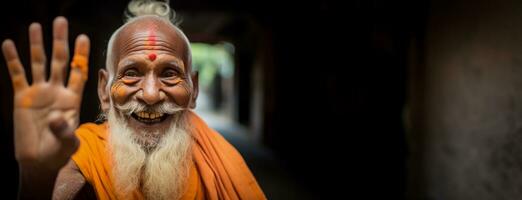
[195, 89]
[103, 94]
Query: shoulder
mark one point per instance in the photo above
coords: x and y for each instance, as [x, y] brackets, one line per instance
[92, 148]
[210, 140]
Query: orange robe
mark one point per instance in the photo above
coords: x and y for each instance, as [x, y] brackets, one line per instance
[218, 172]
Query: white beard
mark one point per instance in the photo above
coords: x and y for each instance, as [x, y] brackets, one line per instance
[159, 169]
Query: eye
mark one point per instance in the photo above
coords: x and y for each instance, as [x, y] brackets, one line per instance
[169, 73]
[132, 73]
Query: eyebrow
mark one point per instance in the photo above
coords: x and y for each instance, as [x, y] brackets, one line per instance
[128, 63]
[174, 64]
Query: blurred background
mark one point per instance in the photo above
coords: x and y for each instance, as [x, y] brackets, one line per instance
[328, 100]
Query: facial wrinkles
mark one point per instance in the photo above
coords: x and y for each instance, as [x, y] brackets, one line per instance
[122, 89]
[184, 88]
[117, 90]
[152, 42]
[120, 92]
[151, 33]
[143, 42]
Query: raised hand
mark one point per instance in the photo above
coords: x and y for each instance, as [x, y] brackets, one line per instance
[46, 113]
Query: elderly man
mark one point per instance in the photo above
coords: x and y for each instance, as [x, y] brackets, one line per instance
[151, 146]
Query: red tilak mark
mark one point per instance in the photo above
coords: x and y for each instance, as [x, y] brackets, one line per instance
[151, 42]
[152, 56]
[152, 38]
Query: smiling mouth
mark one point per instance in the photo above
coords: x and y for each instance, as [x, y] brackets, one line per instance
[149, 117]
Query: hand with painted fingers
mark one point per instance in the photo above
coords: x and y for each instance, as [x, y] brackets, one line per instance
[46, 112]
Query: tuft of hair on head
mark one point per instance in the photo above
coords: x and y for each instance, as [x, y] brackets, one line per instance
[160, 8]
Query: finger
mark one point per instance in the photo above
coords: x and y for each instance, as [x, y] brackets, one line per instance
[65, 133]
[37, 53]
[60, 50]
[79, 65]
[16, 70]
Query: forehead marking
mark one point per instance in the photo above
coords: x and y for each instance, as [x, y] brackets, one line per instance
[152, 56]
[151, 41]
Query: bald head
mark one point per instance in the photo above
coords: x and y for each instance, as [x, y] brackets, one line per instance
[148, 35]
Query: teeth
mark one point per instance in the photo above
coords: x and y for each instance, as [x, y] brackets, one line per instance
[147, 115]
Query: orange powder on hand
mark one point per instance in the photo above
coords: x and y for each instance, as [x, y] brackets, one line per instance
[26, 102]
[80, 62]
[18, 81]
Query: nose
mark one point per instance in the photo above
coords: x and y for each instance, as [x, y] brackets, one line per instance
[151, 93]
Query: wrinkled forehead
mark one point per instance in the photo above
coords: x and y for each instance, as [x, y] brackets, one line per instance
[150, 33]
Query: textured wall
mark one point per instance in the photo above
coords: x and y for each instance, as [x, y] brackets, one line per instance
[466, 102]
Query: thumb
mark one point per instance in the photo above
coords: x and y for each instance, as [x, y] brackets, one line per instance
[65, 133]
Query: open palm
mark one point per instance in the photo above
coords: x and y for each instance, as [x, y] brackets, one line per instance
[47, 112]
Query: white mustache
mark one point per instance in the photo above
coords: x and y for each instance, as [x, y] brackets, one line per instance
[134, 107]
